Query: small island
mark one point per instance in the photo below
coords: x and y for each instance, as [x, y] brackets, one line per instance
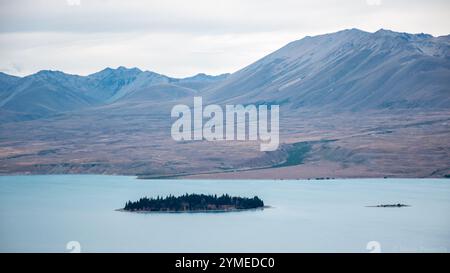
[390, 206]
[194, 203]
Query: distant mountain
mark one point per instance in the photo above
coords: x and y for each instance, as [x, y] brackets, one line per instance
[49, 92]
[111, 84]
[117, 121]
[158, 92]
[351, 70]
[6, 82]
[347, 70]
[200, 81]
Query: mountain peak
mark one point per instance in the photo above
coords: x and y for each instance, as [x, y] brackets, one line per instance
[121, 70]
[133, 69]
[352, 30]
[46, 74]
[205, 77]
[389, 33]
[383, 31]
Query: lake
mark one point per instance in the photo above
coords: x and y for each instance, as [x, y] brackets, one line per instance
[45, 213]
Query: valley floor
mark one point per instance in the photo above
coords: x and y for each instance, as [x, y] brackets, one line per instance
[314, 145]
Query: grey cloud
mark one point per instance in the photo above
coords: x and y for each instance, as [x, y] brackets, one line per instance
[180, 37]
[198, 16]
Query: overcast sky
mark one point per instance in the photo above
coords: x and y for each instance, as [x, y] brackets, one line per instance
[182, 38]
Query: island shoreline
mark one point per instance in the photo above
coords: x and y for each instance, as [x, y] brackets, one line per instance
[194, 211]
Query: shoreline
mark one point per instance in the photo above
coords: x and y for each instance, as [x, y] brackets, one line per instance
[192, 177]
[193, 211]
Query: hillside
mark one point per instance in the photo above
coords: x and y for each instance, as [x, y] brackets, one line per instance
[48, 93]
[350, 70]
[353, 104]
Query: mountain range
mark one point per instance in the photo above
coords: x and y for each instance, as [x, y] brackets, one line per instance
[351, 97]
[51, 92]
[350, 69]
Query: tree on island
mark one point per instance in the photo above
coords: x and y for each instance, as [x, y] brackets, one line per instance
[192, 202]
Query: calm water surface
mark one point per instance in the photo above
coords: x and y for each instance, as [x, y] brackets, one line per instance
[44, 213]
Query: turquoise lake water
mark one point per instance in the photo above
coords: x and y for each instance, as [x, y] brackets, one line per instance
[45, 213]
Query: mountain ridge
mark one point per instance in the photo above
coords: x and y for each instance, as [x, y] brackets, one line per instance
[324, 70]
[350, 69]
[343, 70]
[352, 104]
[48, 92]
